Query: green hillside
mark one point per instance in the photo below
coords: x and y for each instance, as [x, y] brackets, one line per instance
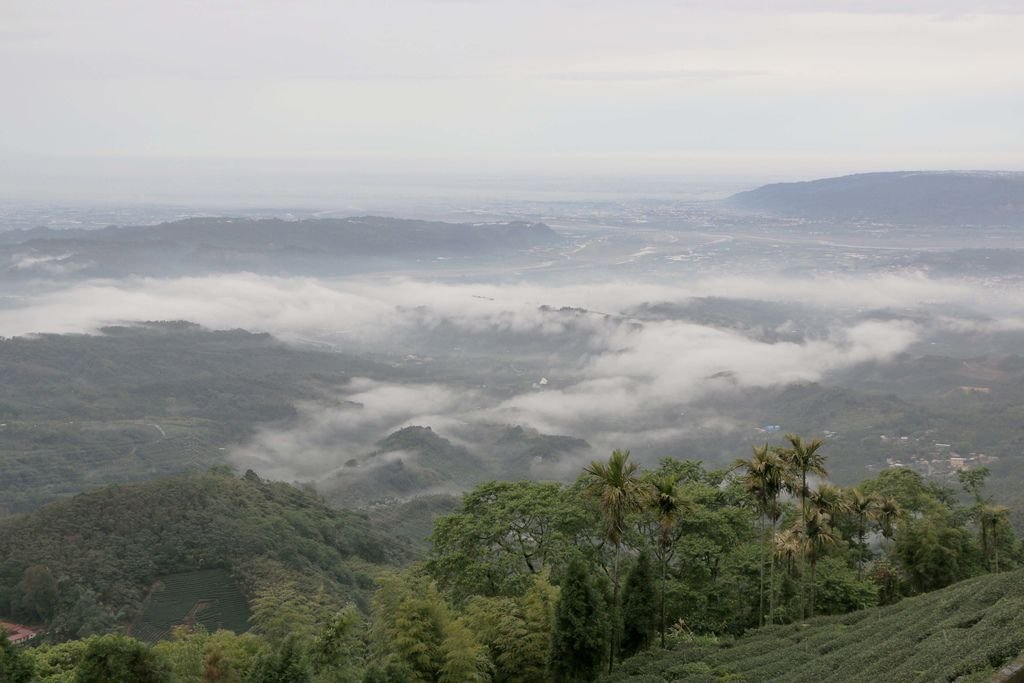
[410, 461]
[87, 564]
[963, 633]
[142, 402]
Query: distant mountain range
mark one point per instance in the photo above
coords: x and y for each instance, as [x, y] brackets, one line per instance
[316, 246]
[921, 198]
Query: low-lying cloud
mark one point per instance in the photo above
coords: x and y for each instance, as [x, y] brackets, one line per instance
[297, 307]
[644, 370]
[631, 380]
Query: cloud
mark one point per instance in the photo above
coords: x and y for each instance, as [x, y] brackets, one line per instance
[346, 425]
[56, 264]
[680, 78]
[662, 366]
[615, 379]
[634, 76]
[371, 309]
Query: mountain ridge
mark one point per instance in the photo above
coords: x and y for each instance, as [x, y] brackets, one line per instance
[987, 198]
[275, 245]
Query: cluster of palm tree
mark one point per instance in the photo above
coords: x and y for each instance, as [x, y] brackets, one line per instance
[774, 472]
[772, 476]
[987, 515]
[621, 493]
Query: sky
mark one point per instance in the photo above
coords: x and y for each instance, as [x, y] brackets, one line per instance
[141, 89]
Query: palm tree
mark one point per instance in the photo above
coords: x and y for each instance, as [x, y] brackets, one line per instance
[990, 517]
[764, 479]
[889, 512]
[866, 508]
[803, 459]
[668, 504]
[619, 493]
[827, 501]
[830, 499]
[790, 546]
[819, 533]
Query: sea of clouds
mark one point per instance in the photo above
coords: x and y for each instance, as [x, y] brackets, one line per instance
[632, 378]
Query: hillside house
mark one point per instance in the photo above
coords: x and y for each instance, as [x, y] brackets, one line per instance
[17, 633]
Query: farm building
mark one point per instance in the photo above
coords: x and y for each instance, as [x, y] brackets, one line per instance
[17, 633]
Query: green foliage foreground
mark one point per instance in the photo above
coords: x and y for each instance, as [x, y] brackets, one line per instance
[530, 582]
[962, 633]
[84, 566]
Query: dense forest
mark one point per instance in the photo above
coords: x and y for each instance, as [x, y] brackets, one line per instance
[159, 399]
[663, 574]
[86, 565]
[140, 402]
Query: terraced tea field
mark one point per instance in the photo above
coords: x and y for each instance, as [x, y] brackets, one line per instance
[207, 597]
[963, 633]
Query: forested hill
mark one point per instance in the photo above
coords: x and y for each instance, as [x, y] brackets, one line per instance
[216, 244]
[139, 402]
[965, 633]
[82, 565]
[939, 198]
[360, 234]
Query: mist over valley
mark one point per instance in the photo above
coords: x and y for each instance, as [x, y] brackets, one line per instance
[511, 341]
[526, 345]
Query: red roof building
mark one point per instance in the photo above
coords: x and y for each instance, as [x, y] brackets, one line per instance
[17, 633]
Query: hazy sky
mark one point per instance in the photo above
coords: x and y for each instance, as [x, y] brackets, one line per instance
[649, 87]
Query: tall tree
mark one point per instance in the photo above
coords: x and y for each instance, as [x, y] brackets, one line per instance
[826, 501]
[764, 479]
[933, 552]
[973, 481]
[668, 505]
[465, 658]
[803, 459]
[619, 493]
[408, 625]
[790, 546]
[987, 514]
[38, 593]
[517, 631]
[538, 609]
[335, 651]
[866, 509]
[639, 607]
[990, 517]
[889, 512]
[503, 535]
[413, 625]
[579, 636]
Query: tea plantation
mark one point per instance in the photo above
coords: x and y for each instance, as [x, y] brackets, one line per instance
[209, 597]
[963, 633]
